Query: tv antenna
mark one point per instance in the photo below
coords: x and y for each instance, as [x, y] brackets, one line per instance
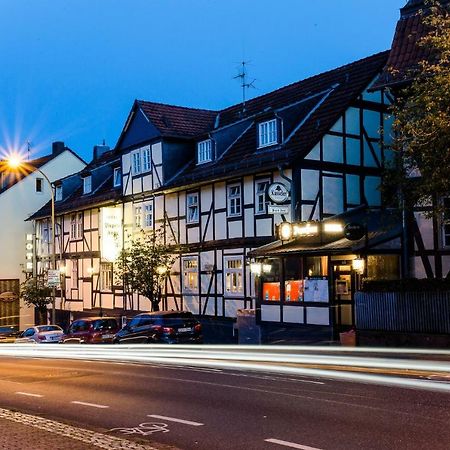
[245, 83]
[28, 150]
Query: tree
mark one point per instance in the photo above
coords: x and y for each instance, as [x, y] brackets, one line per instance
[35, 293]
[144, 266]
[422, 120]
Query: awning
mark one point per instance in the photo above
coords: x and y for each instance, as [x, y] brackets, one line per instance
[383, 234]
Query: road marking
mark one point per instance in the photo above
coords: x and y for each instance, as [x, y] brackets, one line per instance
[28, 394]
[173, 419]
[94, 405]
[290, 444]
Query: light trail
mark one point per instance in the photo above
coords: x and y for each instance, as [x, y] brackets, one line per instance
[259, 359]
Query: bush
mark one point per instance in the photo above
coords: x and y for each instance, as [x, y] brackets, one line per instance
[406, 285]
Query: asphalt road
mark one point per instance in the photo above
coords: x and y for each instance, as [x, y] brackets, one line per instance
[195, 408]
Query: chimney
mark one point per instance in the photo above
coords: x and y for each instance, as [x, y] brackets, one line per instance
[58, 147]
[100, 150]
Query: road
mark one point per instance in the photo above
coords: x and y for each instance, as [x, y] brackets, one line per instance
[204, 408]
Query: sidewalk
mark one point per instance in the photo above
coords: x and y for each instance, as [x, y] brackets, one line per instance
[19, 431]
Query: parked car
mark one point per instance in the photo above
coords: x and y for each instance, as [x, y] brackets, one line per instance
[91, 330]
[8, 334]
[41, 334]
[170, 327]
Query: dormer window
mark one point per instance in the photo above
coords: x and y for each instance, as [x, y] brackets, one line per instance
[204, 151]
[268, 133]
[117, 177]
[58, 193]
[87, 184]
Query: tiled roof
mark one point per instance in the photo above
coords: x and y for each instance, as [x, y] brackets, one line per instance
[178, 121]
[316, 103]
[405, 53]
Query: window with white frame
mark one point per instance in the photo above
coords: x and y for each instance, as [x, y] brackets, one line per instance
[58, 193]
[190, 274]
[204, 151]
[117, 177]
[39, 186]
[261, 200]
[234, 200]
[192, 208]
[138, 216]
[146, 159]
[268, 133]
[446, 222]
[234, 275]
[136, 162]
[76, 226]
[148, 215]
[106, 276]
[87, 184]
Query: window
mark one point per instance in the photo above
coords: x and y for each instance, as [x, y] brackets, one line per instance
[190, 274]
[39, 185]
[234, 275]
[138, 216]
[87, 184]
[58, 193]
[136, 162]
[117, 177]
[148, 215]
[192, 208]
[204, 150]
[76, 226]
[105, 276]
[446, 222]
[261, 200]
[268, 133]
[234, 200]
[146, 160]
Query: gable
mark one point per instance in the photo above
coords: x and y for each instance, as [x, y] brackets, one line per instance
[139, 130]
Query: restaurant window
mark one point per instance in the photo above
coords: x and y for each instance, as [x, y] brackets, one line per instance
[190, 274]
[383, 267]
[234, 274]
[316, 266]
[271, 281]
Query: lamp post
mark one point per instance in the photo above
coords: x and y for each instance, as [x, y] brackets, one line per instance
[16, 163]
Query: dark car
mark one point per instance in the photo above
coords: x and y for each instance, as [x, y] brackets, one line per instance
[170, 327]
[91, 330]
[8, 333]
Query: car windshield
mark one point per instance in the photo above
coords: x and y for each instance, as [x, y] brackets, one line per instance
[104, 324]
[178, 319]
[42, 328]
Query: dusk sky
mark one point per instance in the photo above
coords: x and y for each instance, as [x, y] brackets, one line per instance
[71, 69]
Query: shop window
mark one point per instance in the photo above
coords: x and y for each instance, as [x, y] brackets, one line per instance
[233, 274]
[316, 266]
[190, 274]
[383, 267]
[271, 282]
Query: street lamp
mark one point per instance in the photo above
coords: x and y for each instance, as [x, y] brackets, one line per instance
[15, 162]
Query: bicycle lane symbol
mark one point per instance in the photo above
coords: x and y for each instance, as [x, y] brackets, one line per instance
[143, 429]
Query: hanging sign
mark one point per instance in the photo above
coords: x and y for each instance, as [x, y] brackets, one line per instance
[53, 278]
[278, 209]
[278, 192]
[354, 231]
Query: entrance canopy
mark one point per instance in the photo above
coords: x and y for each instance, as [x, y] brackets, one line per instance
[381, 231]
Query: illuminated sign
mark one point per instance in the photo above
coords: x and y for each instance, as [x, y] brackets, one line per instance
[278, 192]
[111, 237]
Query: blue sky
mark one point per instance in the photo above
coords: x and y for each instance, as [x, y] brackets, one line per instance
[71, 69]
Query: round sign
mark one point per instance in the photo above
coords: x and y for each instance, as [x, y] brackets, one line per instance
[354, 231]
[278, 192]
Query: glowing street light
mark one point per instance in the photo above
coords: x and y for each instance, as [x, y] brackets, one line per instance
[15, 162]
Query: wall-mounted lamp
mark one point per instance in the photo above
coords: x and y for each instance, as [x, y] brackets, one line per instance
[358, 265]
[285, 231]
[266, 268]
[255, 268]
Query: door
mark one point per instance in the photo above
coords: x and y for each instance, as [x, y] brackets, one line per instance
[344, 284]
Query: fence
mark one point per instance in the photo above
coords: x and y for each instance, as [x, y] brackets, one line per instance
[413, 312]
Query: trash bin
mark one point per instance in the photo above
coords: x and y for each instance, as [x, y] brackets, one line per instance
[248, 331]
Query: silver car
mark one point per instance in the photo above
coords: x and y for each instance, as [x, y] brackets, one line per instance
[41, 334]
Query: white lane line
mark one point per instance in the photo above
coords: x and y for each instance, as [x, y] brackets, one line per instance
[94, 405]
[173, 419]
[290, 444]
[305, 381]
[28, 394]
